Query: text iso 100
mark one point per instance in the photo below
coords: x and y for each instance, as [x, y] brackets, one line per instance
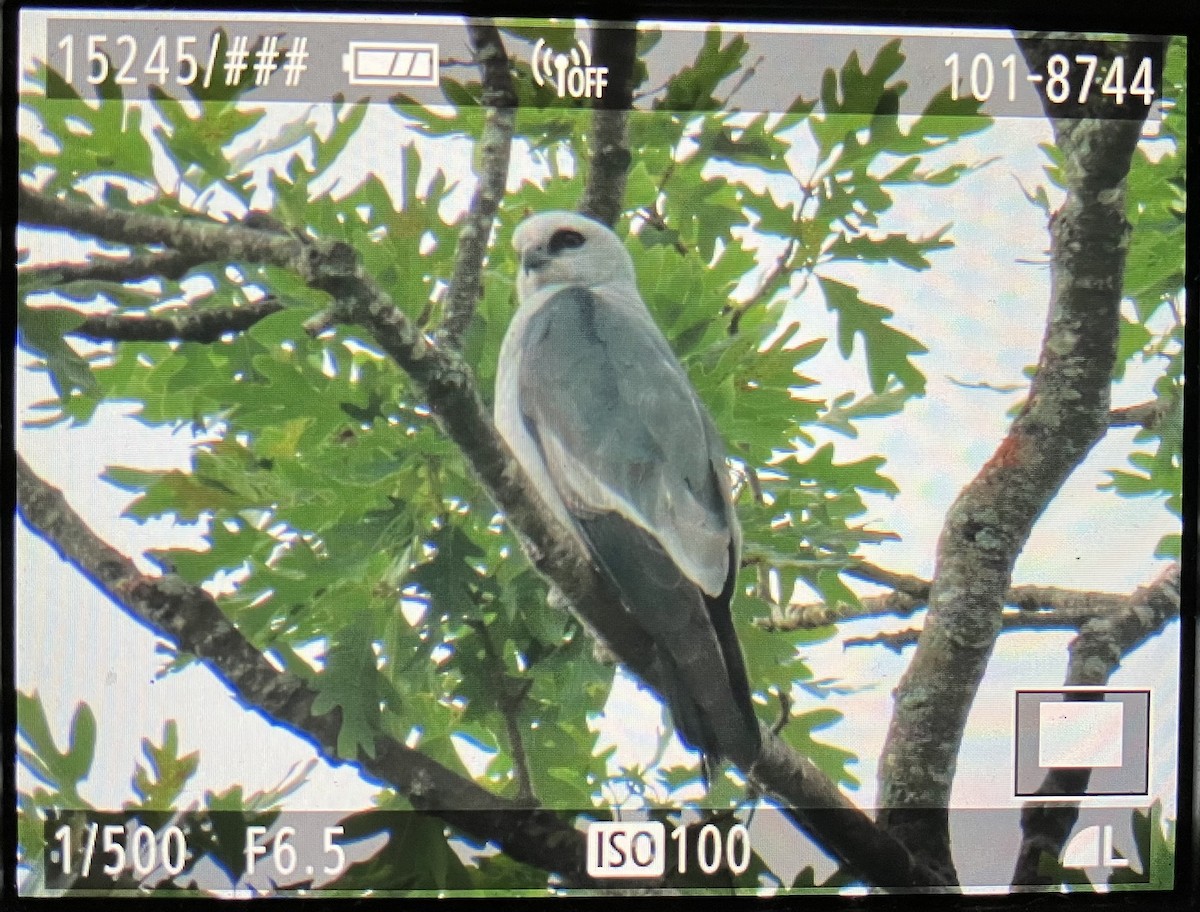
[1082, 81]
[639, 849]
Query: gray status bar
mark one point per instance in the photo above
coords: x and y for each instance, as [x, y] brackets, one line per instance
[427, 60]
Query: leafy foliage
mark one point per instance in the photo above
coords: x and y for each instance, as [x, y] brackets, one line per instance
[1152, 321]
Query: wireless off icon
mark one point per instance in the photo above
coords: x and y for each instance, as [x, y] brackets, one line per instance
[569, 74]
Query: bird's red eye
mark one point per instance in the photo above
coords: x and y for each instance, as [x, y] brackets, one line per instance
[565, 239]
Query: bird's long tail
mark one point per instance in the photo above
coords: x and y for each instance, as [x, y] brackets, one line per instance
[702, 672]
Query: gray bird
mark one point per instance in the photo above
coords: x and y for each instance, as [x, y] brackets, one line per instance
[598, 411]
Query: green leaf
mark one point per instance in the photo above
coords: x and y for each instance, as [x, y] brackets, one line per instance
[416, 855]
[160, 782]
[889, 351]
[894, 248]
[348, 119]
[845, 410]
[350, 682]
[692, 88]
[831, 760]
[62, 770]
[42, 331]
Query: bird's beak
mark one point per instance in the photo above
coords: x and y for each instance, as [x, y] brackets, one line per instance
[534, 258]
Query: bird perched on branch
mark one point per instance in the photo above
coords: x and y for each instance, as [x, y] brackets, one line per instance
[598, 411]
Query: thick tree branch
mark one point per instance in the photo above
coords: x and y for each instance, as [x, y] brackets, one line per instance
[604, 193]
[1095, 654]
[447, 385]
[499, 102]
[189, 617]
[199, 238]
[184, 325]
[989, 524]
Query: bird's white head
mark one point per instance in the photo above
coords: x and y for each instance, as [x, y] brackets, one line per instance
[566, 248]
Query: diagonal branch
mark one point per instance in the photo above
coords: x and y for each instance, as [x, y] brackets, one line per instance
[499, 101]
[448, 387]
[767, 287]
[197, 237]
[190, 618]
[184, 325]
[988, 525]
[813, 802]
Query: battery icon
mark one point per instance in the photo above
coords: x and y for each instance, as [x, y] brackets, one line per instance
[391, 63]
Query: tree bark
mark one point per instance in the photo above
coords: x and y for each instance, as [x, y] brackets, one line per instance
[1067, 412]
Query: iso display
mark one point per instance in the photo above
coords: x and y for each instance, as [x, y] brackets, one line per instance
[619, 849]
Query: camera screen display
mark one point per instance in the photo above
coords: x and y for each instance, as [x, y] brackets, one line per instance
[548, 458]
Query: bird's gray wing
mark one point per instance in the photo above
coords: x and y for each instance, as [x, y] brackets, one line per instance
[622, 430]
[634, 457]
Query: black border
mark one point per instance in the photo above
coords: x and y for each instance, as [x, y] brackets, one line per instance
[1151, 17]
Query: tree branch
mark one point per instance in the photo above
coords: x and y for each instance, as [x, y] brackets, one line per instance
[1095, 654]
[896, 641]
[604, 194]
[814, 803]
[509, 696]
[195, 237]
[770, 284]
[811, 615]
[190, 618]
[184, 325]
[1035, 606]
[1144, 414]
[902, 582]
[989, 524]
[448, 387]
[499, 100]
[170, 264]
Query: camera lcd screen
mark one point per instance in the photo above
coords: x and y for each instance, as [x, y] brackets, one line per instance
[539, 458]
